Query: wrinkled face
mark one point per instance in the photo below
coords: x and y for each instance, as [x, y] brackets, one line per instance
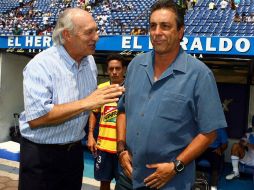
[116, 71]
[164, 35]
[84, 37]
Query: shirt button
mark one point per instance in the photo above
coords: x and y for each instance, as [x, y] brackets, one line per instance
[137, 133]
[142, 114]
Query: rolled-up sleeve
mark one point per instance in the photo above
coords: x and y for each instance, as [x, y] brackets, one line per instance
[121, 104]
[37, 92]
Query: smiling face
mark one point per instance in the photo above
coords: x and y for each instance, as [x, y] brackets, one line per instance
[86, 35]
[82, 40]
[164, 34]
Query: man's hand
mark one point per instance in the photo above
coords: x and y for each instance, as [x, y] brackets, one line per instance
[103, 96]
[243, 143]
[126, 162]
[164, 172]
[91, 144]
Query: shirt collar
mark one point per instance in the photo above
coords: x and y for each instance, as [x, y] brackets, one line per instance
[68, 59]
[179, 64]
[64, 54]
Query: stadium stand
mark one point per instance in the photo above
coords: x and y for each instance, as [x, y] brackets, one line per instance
[116, 17]
[201, 21]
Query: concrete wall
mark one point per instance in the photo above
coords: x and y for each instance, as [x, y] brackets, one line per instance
[11, 91]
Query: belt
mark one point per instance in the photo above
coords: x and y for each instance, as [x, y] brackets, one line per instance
[67, 146]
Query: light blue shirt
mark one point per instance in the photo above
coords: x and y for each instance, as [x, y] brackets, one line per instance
[164, 116]
[53, 77]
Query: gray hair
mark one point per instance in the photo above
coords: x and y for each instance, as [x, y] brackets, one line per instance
[64, 22]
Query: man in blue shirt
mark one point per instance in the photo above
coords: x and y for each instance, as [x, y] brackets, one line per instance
[58, 94]
[171, 109]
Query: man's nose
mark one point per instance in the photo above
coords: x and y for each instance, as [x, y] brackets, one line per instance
[96, 36]
[157, 30]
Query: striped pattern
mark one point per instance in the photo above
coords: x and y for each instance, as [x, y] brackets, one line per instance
[53, 77]
[107, 131]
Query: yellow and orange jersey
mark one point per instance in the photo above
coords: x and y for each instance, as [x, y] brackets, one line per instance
[107, 128]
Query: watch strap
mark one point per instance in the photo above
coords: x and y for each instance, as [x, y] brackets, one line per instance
[178, 166]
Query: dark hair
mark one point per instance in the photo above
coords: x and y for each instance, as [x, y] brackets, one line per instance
[170, 4]
[116, 57]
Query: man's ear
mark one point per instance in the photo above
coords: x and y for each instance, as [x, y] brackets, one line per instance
[66, 35]
[181, 33]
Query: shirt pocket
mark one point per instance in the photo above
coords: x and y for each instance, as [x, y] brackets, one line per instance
[173, 107]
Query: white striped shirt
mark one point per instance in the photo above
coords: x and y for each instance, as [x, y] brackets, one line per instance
[53, 77]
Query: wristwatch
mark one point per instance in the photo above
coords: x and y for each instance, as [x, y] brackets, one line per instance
[179, 166]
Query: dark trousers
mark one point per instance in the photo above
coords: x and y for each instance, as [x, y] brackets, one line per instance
[124, 183]
[215, 161]
[50, 167]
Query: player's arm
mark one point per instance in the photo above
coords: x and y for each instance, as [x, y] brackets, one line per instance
[121, 131]
[251, 142]
[91, 142]
[124, 156]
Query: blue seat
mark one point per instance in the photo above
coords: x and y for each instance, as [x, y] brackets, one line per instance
[204, 163]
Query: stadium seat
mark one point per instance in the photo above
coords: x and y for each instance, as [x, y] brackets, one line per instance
[211, 21]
